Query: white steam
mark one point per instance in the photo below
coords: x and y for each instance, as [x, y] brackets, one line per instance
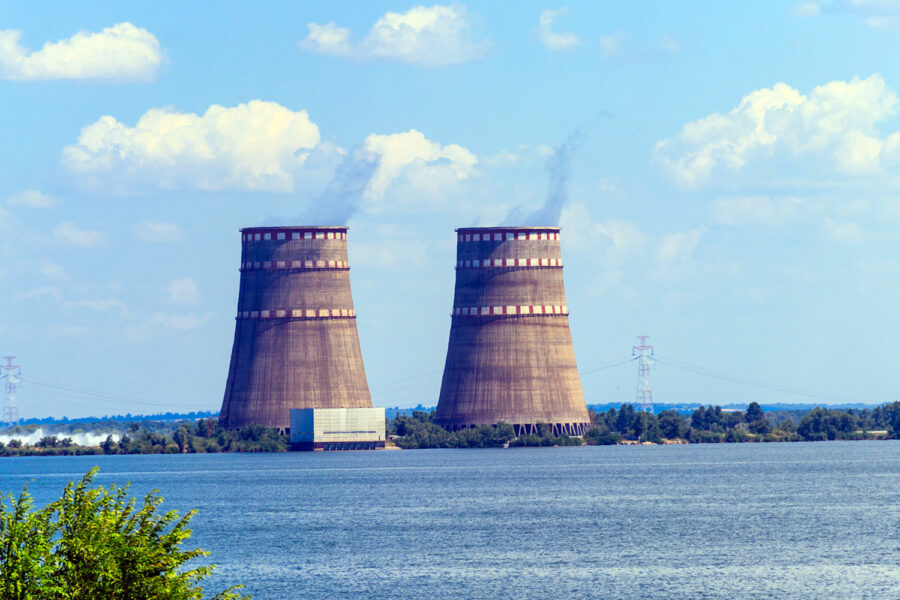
[80, 439]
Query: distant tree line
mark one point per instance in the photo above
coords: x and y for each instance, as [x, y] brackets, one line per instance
[707, 424]
[712, 424]
[201, 436]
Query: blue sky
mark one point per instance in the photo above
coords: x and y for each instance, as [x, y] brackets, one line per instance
[732, 190]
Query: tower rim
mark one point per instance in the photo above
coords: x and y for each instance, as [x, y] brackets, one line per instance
[296, 228]
[509, 228]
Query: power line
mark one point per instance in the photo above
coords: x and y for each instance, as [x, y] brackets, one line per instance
[96, 394]
[696, 369]
[604, 367]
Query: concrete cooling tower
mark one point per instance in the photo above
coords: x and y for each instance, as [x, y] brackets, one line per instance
[295, 341]
[510, 356]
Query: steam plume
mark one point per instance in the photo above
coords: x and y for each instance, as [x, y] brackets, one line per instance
[559, 168]
[342, 196]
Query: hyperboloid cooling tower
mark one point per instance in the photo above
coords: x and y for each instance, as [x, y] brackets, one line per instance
[510, 356]
[295, 341]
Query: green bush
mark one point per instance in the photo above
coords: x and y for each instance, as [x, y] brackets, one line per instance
[96, 543]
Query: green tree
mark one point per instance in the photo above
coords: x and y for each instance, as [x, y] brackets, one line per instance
[672, 424]
[756, 419]
[96, 543]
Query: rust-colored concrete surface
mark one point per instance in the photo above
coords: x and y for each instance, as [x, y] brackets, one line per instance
[295, 339]
[510, 356]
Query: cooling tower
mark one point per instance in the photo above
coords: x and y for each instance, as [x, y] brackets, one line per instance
[295, 340]
[510, 356]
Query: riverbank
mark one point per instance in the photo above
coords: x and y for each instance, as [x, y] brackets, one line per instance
[625, 426]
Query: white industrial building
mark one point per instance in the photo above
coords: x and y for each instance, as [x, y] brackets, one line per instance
[337, 428]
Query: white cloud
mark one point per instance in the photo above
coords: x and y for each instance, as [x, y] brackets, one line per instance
[157, 232]
[328, 39]
[834, 127]
[46, 291]
[753, 210]
[679, 246]
[611, 45]
[846, 231]
[32, 199]
[69, 233]
[7, 223]
[51, 270]
[183, 291]
[407, 153]
[181, 322]
[390, 254]
[807, 9]
[880, 14]
[426, 36]
[258, 146]
[669, 44]
[103, 305]
[625, 236]
[120, 52]
[254, 146]
[552, 39]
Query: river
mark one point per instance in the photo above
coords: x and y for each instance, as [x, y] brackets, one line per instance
[803, 520]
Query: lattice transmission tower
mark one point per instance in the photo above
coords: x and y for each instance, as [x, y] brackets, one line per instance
[644, 395]
[10, 414]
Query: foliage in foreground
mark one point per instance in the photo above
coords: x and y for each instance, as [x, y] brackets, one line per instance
[96, 543]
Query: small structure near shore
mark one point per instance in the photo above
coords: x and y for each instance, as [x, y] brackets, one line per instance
[337, 428]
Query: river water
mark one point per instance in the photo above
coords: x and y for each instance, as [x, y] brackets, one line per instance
[805, 521]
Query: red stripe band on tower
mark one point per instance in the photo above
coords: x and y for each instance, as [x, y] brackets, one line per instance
[493, 311]
[294, 264]
[298, 234]
[299, 313]
[504, 236]
[508, 262]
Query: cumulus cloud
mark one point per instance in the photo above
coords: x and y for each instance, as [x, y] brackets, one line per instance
[51, 270]
[180, 322]
[552, 39]
[261, 146]
[624, 235]
[253, 146]
[69, 233]
[833, 128]
[103, 305]
[807, 9]
[33, 199]
[880, 14]
[401, 152]
[120, 52]
[753, 210]
[183, 291]
[680, 245]
[432, 36]
[611, 45]
[157, 232]
[669, 44]
[845, 231]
